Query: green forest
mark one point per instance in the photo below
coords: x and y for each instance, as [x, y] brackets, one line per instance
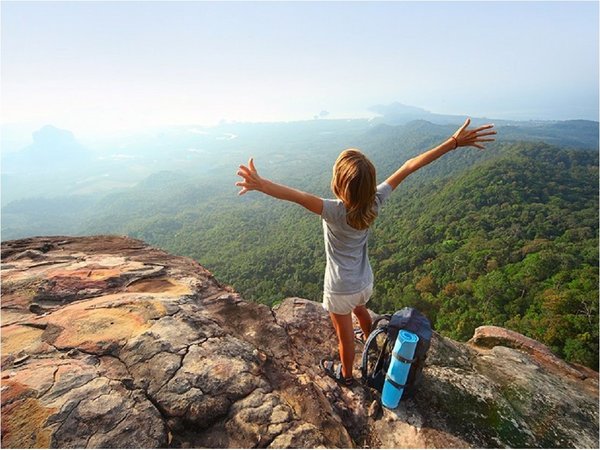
[507, 236]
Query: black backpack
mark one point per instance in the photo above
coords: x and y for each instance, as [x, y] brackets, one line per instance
[378, 348]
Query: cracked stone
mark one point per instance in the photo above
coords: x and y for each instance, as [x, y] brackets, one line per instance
[137, 348]
[157, 370]
[302, 436]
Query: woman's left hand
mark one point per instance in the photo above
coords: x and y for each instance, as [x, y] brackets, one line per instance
[252, 181]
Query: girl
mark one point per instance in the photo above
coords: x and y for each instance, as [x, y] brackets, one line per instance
[348, 281]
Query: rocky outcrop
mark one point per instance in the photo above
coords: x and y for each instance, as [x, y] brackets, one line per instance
[107, 342]
[491, 336]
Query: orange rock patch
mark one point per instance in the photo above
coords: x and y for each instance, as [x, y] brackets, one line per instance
[93, 325]
[13, 390]
[36, 375]
[23, 425]
[10, 316]
[87, 330]
[18, 337]
[87, 273]
[159, 286]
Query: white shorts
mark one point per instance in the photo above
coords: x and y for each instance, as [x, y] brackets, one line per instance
[345, 303]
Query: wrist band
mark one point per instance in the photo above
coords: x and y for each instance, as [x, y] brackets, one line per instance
[455, 142]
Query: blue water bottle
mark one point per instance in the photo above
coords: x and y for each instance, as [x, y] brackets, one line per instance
[397, 374]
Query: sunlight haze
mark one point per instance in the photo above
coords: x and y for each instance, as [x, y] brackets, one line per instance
[103, 67]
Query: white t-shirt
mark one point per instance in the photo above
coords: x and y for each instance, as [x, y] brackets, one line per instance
[347, 270]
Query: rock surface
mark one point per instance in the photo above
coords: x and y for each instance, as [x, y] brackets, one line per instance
[110, 343]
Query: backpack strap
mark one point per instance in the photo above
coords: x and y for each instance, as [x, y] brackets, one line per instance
[393, 383]
[365, 355]
[386, 317]
[403, 359]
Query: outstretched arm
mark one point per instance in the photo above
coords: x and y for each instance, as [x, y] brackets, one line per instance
[253, 182]
[461, 138]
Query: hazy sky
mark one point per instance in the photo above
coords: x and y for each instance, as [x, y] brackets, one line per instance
[102, 66]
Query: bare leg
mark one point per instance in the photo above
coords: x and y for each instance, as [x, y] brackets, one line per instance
[364, 319]
[345, 334]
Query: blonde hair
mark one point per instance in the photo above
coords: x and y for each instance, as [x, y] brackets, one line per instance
[353, 182]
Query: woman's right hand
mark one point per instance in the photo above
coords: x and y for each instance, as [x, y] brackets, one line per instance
[474, 137]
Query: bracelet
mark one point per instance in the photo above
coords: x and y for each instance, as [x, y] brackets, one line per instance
[455, 142]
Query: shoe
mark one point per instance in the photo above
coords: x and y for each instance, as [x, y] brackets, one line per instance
[334, 370]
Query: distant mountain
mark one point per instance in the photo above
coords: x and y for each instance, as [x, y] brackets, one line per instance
[568, 133]
[582, 134]
[52, 149]
[397, 113]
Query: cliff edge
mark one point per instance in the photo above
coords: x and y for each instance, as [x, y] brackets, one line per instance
[108, 342]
